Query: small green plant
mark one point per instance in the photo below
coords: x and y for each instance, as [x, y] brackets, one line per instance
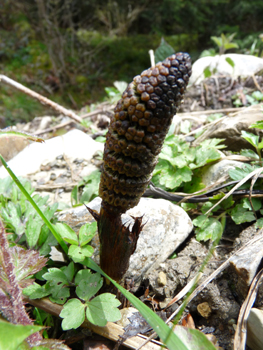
[179, 163]
[86, 189]
[255, 98]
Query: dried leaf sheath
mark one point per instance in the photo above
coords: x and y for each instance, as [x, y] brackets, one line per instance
[136, 134]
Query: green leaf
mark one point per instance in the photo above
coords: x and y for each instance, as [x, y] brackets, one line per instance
[78, 254]
[188, 206]
[206, 155]
[33, 229]
[102, 309]
[58, 293]
[211, 229]
[240, 214]
[256, 202]
[35, 291]
[88, 284]
[87, 232]
[67, 233]
[239, 173]
[259, 223]
[257, 125]
[55, 276]
[229, 60]
[73, 314]
[12, 335]
[173, 178]
[69, 271]
[249, 153]
[164, 50]
[200, 220]
[251, 138]
[207, 72]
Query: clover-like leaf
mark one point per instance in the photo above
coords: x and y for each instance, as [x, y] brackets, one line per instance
[78, 254]
[102, 309]
[73, 314]
[67, 233]
[87, 232]
[88, 284]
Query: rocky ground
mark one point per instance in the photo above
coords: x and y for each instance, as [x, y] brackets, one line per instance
[215, 309]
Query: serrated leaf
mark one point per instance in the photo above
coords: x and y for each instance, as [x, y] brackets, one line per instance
[26, 263]
[78, 254]
[35, 291]
[73, 314]
[206, 155]
[251, 138]
[87, 232]
[239, 173]
[103, 309]
[172, 178]
[240, 214]
[211, 229]
[88, 284]
[12, 335]
[67, 233]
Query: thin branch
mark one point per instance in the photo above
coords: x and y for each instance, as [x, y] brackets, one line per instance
[40, 98]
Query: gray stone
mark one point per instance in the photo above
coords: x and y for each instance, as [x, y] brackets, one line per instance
[167, 226]
[230, 129]
[255, 329]
[73, 144]
[246, 264]
[213, 173]
[245, 66]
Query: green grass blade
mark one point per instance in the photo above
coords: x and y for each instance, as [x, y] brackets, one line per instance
[35, 206]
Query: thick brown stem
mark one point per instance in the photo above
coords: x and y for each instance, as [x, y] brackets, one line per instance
[117, 242]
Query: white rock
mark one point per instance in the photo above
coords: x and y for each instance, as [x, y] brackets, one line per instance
[167, 226]
[212, 173]
[245, 65]
[255, 329]
[74, 144]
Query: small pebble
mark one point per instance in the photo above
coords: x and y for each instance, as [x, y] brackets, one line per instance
[162, 279]
[204, 309]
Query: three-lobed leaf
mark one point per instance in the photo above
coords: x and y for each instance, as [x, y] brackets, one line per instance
[102, 309]
[88, 284]
[73, 314]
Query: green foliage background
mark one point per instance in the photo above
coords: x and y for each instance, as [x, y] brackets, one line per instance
[71, 50]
